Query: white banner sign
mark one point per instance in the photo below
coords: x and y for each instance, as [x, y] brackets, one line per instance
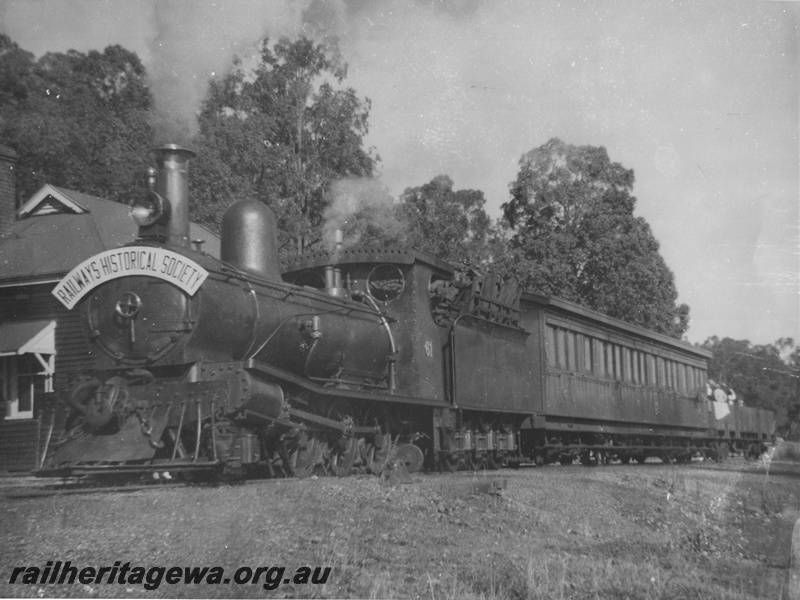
[130, 260]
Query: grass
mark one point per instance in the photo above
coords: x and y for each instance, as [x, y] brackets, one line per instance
[629, 532]
[787, 451]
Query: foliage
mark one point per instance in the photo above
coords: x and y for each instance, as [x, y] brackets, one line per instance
[451, 225]
[759, 374]
[572, 234]
[281, 133]
[76, 120]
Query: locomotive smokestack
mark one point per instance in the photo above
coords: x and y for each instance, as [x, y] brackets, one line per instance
[338, 238]
[173, 185]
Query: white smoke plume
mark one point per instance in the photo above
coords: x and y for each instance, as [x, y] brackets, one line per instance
[364, 211]
[195, 41]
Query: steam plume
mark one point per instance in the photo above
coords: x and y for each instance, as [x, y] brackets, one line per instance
[195, 41]
[365, 212]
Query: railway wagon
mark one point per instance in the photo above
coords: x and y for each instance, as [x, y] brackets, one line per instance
[608, 389]
[347, 358]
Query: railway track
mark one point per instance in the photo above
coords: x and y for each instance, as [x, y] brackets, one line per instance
[31, 487]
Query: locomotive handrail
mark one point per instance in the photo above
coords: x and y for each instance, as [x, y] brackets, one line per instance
[282, 323]
[256, 315]
[393, 357]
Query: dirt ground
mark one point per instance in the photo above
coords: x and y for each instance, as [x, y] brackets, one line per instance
[646, 531]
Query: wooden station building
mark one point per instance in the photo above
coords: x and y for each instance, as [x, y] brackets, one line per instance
[41, 342]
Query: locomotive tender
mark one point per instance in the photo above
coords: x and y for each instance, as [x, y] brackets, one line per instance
[353, 357]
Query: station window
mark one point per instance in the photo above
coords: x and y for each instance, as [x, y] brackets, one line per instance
[26, 370]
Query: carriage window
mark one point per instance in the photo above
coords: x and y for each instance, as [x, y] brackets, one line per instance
[561, 347]
[642, 368]
[572, 352]
[671, 374]
[609, 352]
[674, 375]
[385, 283]
[587, 354]
[599, 362]
[626, 364]
[551, 346]
[630, 362]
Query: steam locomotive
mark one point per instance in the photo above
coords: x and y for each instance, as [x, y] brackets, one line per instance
[356, 358]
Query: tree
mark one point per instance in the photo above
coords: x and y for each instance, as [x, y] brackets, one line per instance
[451, 225]
[281, 133]
[757, 373]
[572, 234]
[76, 120]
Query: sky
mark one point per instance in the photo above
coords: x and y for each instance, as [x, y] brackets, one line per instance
[701, 99]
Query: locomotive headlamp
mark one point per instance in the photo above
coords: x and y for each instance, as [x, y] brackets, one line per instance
[150, 209]
[128, 305]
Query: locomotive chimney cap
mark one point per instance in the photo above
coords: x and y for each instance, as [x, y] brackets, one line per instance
[173, 149]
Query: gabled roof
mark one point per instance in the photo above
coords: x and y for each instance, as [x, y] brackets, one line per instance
[58, 229]
[21, 337]
[52, 200]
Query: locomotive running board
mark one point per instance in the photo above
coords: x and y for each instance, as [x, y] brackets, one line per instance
[380, 395]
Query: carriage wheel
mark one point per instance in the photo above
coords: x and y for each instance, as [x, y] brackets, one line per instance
[449, 462]
[343, 459]
[378, 453]
[411, 456]
[307, 456]
[492, 462]
[471, 462]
